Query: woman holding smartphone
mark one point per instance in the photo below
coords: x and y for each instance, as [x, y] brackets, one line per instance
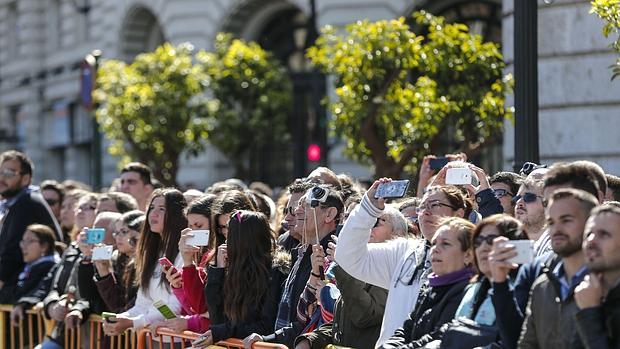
[244, 287]
[165, 220]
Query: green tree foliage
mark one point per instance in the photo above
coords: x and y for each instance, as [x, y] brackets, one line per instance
[251, 100]
[150, 108]
[400, 95]
[609, 11]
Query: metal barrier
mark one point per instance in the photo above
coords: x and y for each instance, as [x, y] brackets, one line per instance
[33, 328]
[30, 331]
[181, 340]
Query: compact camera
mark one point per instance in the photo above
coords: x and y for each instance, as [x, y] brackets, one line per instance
[317, 195]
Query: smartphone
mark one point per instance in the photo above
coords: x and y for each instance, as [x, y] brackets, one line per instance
[393, 189]
[525, 251]
[200, 238]
[438, 163]
[102, 253]
[461, 176]
[165, 262]
[95, 235]
[107, 315]
[164, 310]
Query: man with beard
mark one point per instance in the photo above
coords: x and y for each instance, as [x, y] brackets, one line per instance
[20, 207]
[549, 321]
[598, 296]
[530, 211]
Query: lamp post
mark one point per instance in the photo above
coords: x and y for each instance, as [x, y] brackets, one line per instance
[526, 82]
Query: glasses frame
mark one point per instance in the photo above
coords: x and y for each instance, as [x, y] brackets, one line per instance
[500, 193]
[425, 206]
[528, 198]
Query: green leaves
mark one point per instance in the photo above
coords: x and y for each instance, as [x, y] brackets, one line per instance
[609, 11]
[397, 93]
[173, 100]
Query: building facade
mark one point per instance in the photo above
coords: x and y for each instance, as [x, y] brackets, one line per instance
[43, 42]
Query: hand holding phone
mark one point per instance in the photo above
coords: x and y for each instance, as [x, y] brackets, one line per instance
[95, 235]
[165, 262]
[102, 253]
[199, 238]
[109, 317]
[393, 189]
[461, 176]
[524, 249]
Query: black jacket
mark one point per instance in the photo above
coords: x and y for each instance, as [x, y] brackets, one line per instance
[30, 208]
[260, 320]
[12, 293]
[436, 306]
[599, 327]
[54, 287]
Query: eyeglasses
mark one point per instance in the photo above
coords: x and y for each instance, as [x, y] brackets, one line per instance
[527, 197]
[478, 240]
[289, 210]
[500, 193]
[432, 206]
[27, 242]
[8, 173]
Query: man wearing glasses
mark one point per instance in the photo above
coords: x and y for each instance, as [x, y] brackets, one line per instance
[20, 206]
[530, 211]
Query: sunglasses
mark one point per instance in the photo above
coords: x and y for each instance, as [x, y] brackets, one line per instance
[478, 240]
[527, 197]
[500, 193]
[289, 210]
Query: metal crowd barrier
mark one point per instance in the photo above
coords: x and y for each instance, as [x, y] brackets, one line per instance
[33, 328]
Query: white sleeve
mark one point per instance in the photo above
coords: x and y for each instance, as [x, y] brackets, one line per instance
[371, 263]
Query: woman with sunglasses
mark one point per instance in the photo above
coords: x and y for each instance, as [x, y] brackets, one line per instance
[452, 259]
[115, 281]
[476, 304]
[245, 285]
[400, 265]
[159, 238]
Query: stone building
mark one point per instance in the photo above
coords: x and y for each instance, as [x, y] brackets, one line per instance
[43, 42]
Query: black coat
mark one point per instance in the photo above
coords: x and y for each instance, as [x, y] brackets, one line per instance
[436, 306]
[11, 293]
[30, 208]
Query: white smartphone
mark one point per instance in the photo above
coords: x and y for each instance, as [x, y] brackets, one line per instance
[102, 253]
[200, 238]
[461, 176]
[525, 251]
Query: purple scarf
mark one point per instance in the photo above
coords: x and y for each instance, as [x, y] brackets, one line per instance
[435, 280]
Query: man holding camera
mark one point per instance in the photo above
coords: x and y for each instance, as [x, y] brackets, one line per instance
[317, 215]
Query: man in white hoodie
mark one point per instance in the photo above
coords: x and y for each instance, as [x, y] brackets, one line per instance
[401, 265]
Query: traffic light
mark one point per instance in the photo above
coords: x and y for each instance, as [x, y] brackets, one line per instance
[313, 153]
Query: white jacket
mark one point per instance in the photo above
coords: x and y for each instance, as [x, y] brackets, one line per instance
[389, 265]
[143, 313]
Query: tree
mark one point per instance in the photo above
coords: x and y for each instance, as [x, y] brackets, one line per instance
[150, 108]
[399, 95]
[251, 95]
[609, 11]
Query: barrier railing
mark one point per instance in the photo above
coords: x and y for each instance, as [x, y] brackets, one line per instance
[34, 326]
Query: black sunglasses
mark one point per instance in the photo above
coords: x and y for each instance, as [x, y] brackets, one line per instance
[289, 210]
[527, 197]
[501, 193]
[478, 240]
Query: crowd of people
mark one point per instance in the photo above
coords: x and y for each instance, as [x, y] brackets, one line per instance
[512, 260]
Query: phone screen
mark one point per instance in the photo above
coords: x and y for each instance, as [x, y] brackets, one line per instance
[394, 189]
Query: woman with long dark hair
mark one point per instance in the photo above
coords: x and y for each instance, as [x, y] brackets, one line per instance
[165, 220]
[244, 287]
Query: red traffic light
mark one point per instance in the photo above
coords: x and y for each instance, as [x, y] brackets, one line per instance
[314, 152]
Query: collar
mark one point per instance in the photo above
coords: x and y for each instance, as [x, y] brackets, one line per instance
[7, 203]
[559, 273]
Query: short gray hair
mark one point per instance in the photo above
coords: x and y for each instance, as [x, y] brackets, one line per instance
[396, 219]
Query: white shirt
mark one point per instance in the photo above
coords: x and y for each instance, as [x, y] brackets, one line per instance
[390, 265]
